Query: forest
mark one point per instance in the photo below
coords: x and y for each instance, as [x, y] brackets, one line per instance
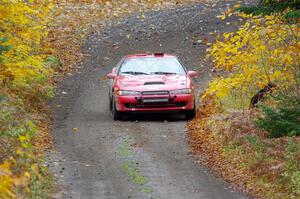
[248, 118]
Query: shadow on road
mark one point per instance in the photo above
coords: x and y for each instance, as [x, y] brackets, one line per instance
[154, 117]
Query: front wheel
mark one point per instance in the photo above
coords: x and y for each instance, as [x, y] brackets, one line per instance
[190, 114]
[115, 113]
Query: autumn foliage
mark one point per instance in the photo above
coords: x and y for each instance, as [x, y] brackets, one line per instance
[40, 42]
[24, 79]
[25, 28]
[236, 139]
[263, 50]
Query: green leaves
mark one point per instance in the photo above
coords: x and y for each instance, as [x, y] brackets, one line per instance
[288, 8]
[3, 47]
[283, 120]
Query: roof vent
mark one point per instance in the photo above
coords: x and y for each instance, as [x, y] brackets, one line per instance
[159, 54]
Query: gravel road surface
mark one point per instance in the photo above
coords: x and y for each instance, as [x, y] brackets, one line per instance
[146, 156]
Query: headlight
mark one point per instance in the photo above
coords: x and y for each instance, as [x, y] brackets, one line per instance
[181, 91]
[127, 92]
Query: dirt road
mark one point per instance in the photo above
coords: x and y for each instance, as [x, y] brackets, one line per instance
[147, 155]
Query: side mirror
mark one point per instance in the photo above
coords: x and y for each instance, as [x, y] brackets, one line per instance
[114, 70]
[111, 75]
[192, 73]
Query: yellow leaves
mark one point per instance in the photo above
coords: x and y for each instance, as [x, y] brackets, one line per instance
[3, 12]
[20, 152]
[222, 17]
[229, 12]
[6, 181]
[10, 181]
[5, 169]
[243, 15]
[295, 48]
[219, 87]
[25, 140]
[260, 51]
[25, 26]
[74, 130]
[276, 75]
[237, 6]
[19, 172]
[36, 170]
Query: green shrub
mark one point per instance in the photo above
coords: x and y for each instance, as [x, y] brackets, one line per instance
[282, 120]
[268, 7]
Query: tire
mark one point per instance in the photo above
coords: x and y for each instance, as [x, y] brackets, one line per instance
[190, 114]
[115, 113]
[110, 103]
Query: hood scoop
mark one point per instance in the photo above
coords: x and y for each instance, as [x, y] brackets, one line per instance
[154, 83]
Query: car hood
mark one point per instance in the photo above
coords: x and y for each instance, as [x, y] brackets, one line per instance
[152, 82]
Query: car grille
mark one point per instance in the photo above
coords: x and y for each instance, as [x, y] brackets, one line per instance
[155, 105]
[155, 99]
[155, 93]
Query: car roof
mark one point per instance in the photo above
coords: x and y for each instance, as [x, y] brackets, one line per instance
[149, 55]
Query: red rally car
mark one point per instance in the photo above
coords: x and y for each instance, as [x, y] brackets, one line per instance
[151, 83]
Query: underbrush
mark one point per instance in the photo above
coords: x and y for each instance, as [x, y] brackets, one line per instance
[236, 150]
[23, 137]
[283, 119]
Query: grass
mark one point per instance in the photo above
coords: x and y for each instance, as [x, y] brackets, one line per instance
[41, 188]
[133, 173]
[130, 168]
[147, 190]
[123, 148]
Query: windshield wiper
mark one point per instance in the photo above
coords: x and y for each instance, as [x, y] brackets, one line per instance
[134, 73]
[163, 73]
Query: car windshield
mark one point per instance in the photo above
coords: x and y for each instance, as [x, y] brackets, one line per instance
[153, 65]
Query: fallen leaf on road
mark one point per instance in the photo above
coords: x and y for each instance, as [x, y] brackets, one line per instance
[136, 145]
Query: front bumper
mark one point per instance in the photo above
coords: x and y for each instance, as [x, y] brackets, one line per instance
[157, 103]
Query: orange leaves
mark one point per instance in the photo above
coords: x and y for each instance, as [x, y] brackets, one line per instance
[23, 180]
[207, 139]
[3, 12]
